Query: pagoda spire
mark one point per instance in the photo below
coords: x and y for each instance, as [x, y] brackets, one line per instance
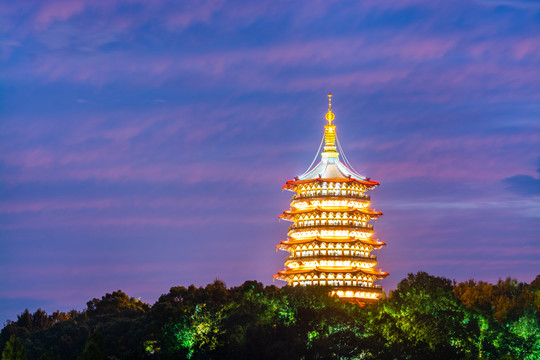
[330, 115]
[330, 150]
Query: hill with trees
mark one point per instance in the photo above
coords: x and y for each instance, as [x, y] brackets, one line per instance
[426, 317]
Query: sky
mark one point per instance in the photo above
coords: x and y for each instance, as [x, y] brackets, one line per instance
[143, 145]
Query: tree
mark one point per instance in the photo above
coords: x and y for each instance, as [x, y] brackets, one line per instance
[93, 349]
[423, 320]
[14, 350]
[49, 355]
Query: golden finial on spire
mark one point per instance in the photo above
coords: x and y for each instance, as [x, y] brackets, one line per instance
[330, 133]
[330, 115]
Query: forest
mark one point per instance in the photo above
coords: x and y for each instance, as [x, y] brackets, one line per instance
[426, 317]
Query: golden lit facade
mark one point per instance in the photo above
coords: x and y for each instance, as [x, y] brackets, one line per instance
[331, 240]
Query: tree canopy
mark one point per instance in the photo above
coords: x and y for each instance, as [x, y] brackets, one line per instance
[426, 317]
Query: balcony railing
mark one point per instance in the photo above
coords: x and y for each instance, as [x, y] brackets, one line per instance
[333, 194]
[320, 256]
[331, 227]
[345, 287]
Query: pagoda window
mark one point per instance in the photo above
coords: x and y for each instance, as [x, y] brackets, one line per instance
[322, 282]
[323, 252]
[348, 283]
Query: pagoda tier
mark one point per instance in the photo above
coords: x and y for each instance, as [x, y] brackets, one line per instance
[350, 244]
[330, 238]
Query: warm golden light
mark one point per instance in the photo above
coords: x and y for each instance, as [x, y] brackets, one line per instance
[329, 240]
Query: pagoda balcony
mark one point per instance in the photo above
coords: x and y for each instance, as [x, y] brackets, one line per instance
[369, 258]
[357, 288]
[332, 195]
[343, 287]
[332, 227]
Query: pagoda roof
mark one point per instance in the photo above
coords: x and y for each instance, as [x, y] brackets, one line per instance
[318, 209]
[373, 242]
[298, 181]
[331, 269]
[331, 168]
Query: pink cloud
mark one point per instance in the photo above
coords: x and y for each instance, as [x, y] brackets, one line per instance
[59, 10]
[47, 221]
[527, 47]
[54, 204]
[211, 69]
[157, 68]
[461, 159]
[30, 158]
[201, 13]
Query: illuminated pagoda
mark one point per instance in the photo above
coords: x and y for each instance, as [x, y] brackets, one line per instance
[330, 240]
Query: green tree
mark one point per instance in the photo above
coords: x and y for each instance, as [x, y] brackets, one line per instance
[423, 320]
[14, 350]
[49, 355]
[93, 349]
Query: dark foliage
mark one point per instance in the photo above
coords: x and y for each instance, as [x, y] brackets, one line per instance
[426, 317]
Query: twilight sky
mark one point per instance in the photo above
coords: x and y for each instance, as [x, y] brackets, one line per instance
[144, 145]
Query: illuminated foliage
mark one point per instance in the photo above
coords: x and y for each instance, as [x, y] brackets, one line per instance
[426, 317]
[14, 350]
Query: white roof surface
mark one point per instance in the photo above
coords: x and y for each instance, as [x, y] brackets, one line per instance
[330, 168]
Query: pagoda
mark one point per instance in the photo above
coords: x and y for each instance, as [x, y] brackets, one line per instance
[331, 240]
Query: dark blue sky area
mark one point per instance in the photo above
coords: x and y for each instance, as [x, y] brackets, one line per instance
[143, 145]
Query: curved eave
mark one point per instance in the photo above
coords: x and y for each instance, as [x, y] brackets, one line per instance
[362, 229]
[351, 240]
[322, 269]
[331, 257]
[318, 209]
[291, 183]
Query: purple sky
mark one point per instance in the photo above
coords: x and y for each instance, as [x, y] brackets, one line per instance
[144, 146]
